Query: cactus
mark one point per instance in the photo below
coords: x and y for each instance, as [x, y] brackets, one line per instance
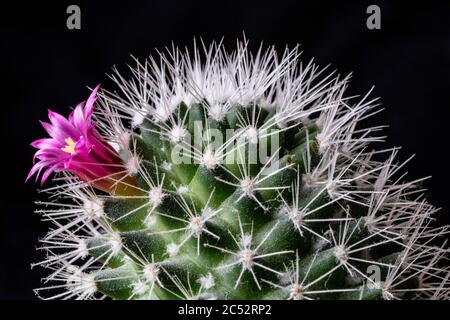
[215, 175]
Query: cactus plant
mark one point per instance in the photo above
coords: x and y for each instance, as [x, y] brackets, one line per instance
[215, 175]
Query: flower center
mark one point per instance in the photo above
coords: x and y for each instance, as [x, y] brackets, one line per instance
[70, 146]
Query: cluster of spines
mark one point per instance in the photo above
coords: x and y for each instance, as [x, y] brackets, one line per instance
[311, 228]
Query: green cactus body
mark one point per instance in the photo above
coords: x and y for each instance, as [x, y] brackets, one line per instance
[317, 218]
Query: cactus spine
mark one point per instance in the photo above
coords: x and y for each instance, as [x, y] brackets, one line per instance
[255, 179]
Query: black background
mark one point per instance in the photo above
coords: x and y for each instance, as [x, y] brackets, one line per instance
[45, 65]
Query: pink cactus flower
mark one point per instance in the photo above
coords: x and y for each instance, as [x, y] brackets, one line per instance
[76, 146]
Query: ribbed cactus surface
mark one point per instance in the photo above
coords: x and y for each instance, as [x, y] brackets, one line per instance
[238, 176]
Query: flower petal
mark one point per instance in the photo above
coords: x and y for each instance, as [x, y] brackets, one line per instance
[89, 107]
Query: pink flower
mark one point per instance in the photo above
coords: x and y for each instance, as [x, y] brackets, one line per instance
[76, 146]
